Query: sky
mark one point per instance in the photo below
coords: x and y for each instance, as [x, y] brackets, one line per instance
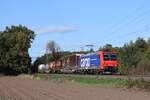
[75, 23]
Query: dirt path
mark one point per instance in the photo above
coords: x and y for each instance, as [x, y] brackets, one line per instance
[16, 88]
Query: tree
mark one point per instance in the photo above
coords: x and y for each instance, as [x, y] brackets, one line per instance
[108, 47]
[53, 49]
[140, 44]
[14, 44]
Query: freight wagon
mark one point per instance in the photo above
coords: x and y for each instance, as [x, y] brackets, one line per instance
[55, 66]
[70, 63]
[42, 68]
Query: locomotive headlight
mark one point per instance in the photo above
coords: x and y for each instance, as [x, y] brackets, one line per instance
[115, 65]
[105, 64]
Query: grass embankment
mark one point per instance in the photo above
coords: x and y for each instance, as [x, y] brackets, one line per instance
[102, 81]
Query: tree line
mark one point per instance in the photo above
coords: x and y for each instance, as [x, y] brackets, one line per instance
[134, 57]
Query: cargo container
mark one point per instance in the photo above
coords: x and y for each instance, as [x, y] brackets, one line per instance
[55, 66]
[70, 63]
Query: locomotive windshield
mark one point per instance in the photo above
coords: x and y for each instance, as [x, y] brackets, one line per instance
[108, 56]
[113, 57]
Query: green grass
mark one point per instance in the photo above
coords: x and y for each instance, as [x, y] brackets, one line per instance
[102, 81]
[96, 81]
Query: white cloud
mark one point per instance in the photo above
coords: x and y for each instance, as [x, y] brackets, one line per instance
[55, 29]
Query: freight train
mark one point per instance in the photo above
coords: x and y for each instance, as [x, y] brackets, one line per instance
[99, 62]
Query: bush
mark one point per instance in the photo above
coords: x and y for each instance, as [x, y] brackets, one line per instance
[143, 68]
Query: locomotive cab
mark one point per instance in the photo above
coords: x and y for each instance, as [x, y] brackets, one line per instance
[109, 62]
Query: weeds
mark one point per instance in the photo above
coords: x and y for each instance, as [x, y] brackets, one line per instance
[129, 83]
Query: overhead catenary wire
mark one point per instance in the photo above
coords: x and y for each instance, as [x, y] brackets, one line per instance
[135, 31]
[134, 18]
[122, 23]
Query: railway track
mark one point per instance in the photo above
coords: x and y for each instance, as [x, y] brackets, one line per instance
[145, 77]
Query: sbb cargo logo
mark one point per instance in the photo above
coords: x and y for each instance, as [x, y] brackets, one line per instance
[85, 62]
